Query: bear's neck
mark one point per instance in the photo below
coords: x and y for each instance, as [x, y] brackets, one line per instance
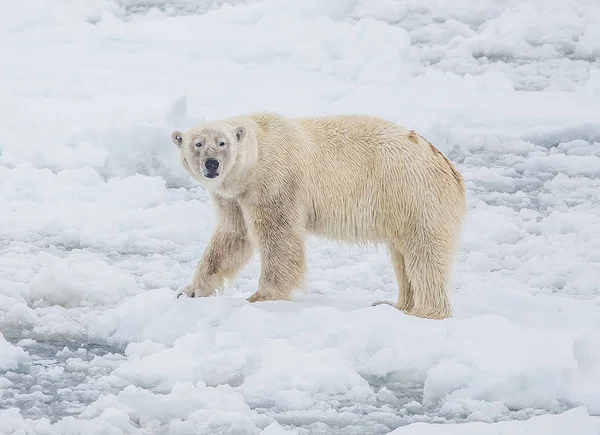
[239, 179]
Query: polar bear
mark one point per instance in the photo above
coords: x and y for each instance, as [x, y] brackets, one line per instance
[351, 178]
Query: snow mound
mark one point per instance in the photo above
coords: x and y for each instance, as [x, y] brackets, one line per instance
[576, 419]
[11, 356]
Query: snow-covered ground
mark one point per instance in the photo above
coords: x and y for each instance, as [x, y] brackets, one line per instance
[99, 226]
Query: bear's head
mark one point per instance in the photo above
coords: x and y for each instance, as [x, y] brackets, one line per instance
[209, 152]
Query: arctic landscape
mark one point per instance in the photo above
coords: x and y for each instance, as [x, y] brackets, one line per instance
[100, 227]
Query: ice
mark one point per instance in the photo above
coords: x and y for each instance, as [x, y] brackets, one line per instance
[99, 225]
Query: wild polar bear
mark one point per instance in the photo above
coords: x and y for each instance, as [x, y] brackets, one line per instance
[351, 178]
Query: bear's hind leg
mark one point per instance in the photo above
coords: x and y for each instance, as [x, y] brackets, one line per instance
[405, 293]
[428, 266]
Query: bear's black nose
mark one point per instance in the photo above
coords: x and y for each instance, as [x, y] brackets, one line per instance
[212, 164]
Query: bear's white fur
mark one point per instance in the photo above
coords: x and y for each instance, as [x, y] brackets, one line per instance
[350, 178]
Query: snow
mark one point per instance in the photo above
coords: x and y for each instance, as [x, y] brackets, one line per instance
[575, 419]
[99, 226]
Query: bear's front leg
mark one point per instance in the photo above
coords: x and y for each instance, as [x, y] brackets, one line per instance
[225, 254]
[228, 250]
[280, 238]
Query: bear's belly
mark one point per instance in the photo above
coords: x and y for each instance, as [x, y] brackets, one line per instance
[344, 220]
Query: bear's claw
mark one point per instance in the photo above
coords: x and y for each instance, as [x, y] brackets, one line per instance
[425, 314]
[405, 310]
[191, 291]
[256, 297]
[374, 304]
[261, 297]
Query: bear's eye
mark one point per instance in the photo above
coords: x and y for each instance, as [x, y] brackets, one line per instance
[222, 144]
[198, 144]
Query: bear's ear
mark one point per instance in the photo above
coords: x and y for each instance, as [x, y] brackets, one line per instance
[177, 138]
[240, 133]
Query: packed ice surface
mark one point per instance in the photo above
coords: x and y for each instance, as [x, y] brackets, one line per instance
[99, 226]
